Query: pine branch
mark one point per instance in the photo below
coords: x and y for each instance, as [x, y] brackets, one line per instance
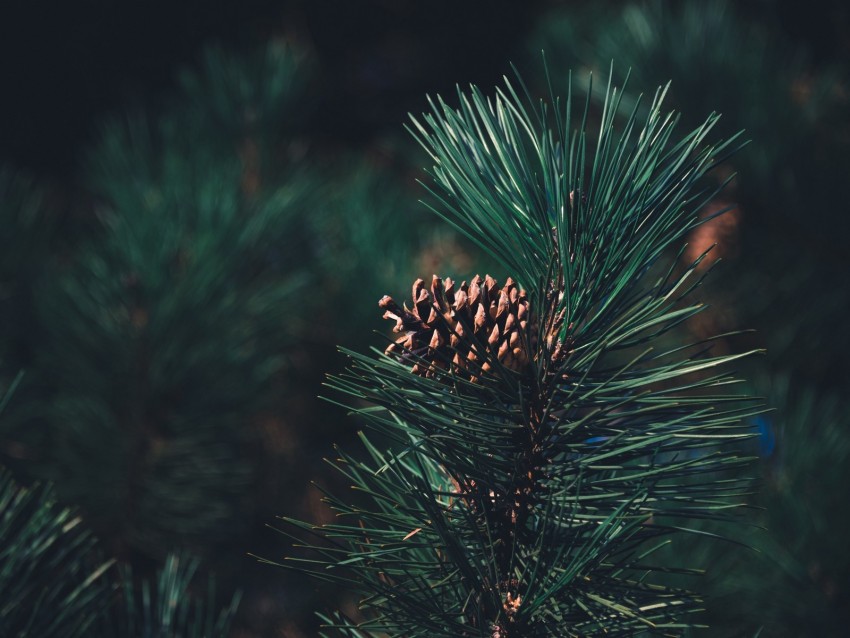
[547, 434]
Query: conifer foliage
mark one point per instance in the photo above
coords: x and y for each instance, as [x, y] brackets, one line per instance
[169, 607]
[531, 444]
[52, 578]
[166, 330]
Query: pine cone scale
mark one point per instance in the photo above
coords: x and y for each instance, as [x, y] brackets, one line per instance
[469, 329]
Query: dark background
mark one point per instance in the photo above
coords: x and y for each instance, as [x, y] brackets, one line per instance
[64, 65]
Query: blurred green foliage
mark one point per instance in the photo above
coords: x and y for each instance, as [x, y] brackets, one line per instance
[175, 345]
[785, 241]
[169, 607]
[52, 579]
[792, 580]
[164, 331]
[30, 228]
[55, 582]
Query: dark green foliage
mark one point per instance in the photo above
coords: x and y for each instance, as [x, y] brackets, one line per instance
[257, 94]
[787, 278]
[166, 330]
[170, 608]
[802, 585]
[795, 583]
[367, 242]
[163, 339]
[528, 503]
[53, 582]
[29, 228]
[715, 59]
[27, 223]
[789, 183]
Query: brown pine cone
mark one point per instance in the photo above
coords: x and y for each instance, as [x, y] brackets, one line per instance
[468, 329]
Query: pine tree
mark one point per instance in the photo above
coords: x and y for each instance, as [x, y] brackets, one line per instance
[532, 444]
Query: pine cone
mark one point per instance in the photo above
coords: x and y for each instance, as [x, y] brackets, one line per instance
[468, 330]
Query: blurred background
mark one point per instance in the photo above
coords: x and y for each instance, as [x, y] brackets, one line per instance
[201, 200]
